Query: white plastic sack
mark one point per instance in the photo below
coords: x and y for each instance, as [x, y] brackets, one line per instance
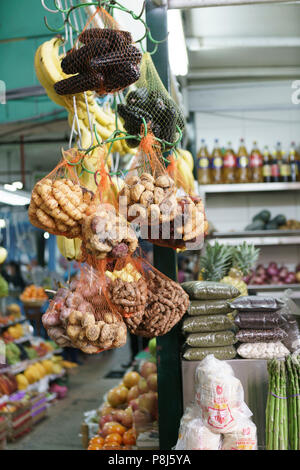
[219, 394]
[242, 437]
[193, 435]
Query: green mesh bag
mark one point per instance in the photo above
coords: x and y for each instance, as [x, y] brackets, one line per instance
[151, 102]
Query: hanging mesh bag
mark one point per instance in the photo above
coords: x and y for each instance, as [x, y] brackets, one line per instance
[58, 201]
[166, 304]
[151, 103]
[106, 62]
[150, 199]
[81, 317]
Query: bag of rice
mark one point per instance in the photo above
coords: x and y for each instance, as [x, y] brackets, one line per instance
[220, 395]
[242, 437]
[193, 435]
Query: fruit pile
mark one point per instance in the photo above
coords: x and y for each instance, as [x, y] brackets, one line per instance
[33, 292]
[263, 221]
[130, 407]
[13, 332]
[38, 370]
[272, 274]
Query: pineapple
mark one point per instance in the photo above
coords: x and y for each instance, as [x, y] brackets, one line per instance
[244, 257]
[228, 264]
[216, 262]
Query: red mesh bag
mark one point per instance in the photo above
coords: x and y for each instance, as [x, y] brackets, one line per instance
[150, 198]
[58, 202]
[106, 62]
[166, 304]
[80, 316]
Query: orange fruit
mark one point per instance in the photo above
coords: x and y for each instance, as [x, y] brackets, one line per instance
[98, 440]
[114, 437]
[113, 427]
[129, 437]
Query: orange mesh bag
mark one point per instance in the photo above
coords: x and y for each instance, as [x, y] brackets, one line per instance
[166, 304]
[150, 198]
[81, 317]
[151, 103]
[105, 232]
[58, 201]
[106, 62]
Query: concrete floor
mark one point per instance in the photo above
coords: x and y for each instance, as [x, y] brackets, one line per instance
[60, 431]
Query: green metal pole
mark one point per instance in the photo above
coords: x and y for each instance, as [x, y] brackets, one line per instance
[165, 259]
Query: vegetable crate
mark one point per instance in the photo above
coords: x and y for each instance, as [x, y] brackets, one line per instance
[18, 418]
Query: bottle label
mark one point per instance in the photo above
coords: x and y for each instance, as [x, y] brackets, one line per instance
[256, 160]
[217, 162]
[285, 169]
[267, 171]
[243, 162]
[274, 169]
[229, 160]
[203, 162]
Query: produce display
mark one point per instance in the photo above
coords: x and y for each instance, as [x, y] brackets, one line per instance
[218, 419]
[228, 264]
[272, 274]
[130, 409]
[3, 287]
[211, 333]
[282, 411]
[33, 293]
[263, 221]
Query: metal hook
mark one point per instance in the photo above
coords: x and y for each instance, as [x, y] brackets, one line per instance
[48, 9]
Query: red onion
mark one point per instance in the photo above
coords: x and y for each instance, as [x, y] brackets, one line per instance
[290, 278]
[283, 272]
[272, 269]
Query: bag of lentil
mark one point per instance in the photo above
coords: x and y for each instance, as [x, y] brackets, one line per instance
[209, 307]
[254, 303]
[207, 323]
[222, 353]
[208, 290]
[218, 338]
[259, 336]
[258, 320]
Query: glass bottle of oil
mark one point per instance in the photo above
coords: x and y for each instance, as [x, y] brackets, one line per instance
[216, 164]
[203, 164]
[285, 169]
[256, 165]
[267, 174]
[275, 166]
[229, 165]
[293, 163]
[242, 164]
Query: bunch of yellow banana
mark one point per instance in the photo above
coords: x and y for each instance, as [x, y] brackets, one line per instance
[184, 177]
[48, 70]
[69, 248]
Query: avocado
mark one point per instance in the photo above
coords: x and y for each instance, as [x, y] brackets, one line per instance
[257, 225]
[279, 220]
[271, 225]
[263, 215]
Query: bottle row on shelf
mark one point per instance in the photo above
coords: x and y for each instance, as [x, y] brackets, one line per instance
[225, 166]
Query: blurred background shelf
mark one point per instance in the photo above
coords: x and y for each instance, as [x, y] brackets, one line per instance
[258, 238]
[247, 187]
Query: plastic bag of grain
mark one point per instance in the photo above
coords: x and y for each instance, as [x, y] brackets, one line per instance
[220, 395]
[209, 307]
[208, 290]
[242, 437]
[193, 435]
[273, 350]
